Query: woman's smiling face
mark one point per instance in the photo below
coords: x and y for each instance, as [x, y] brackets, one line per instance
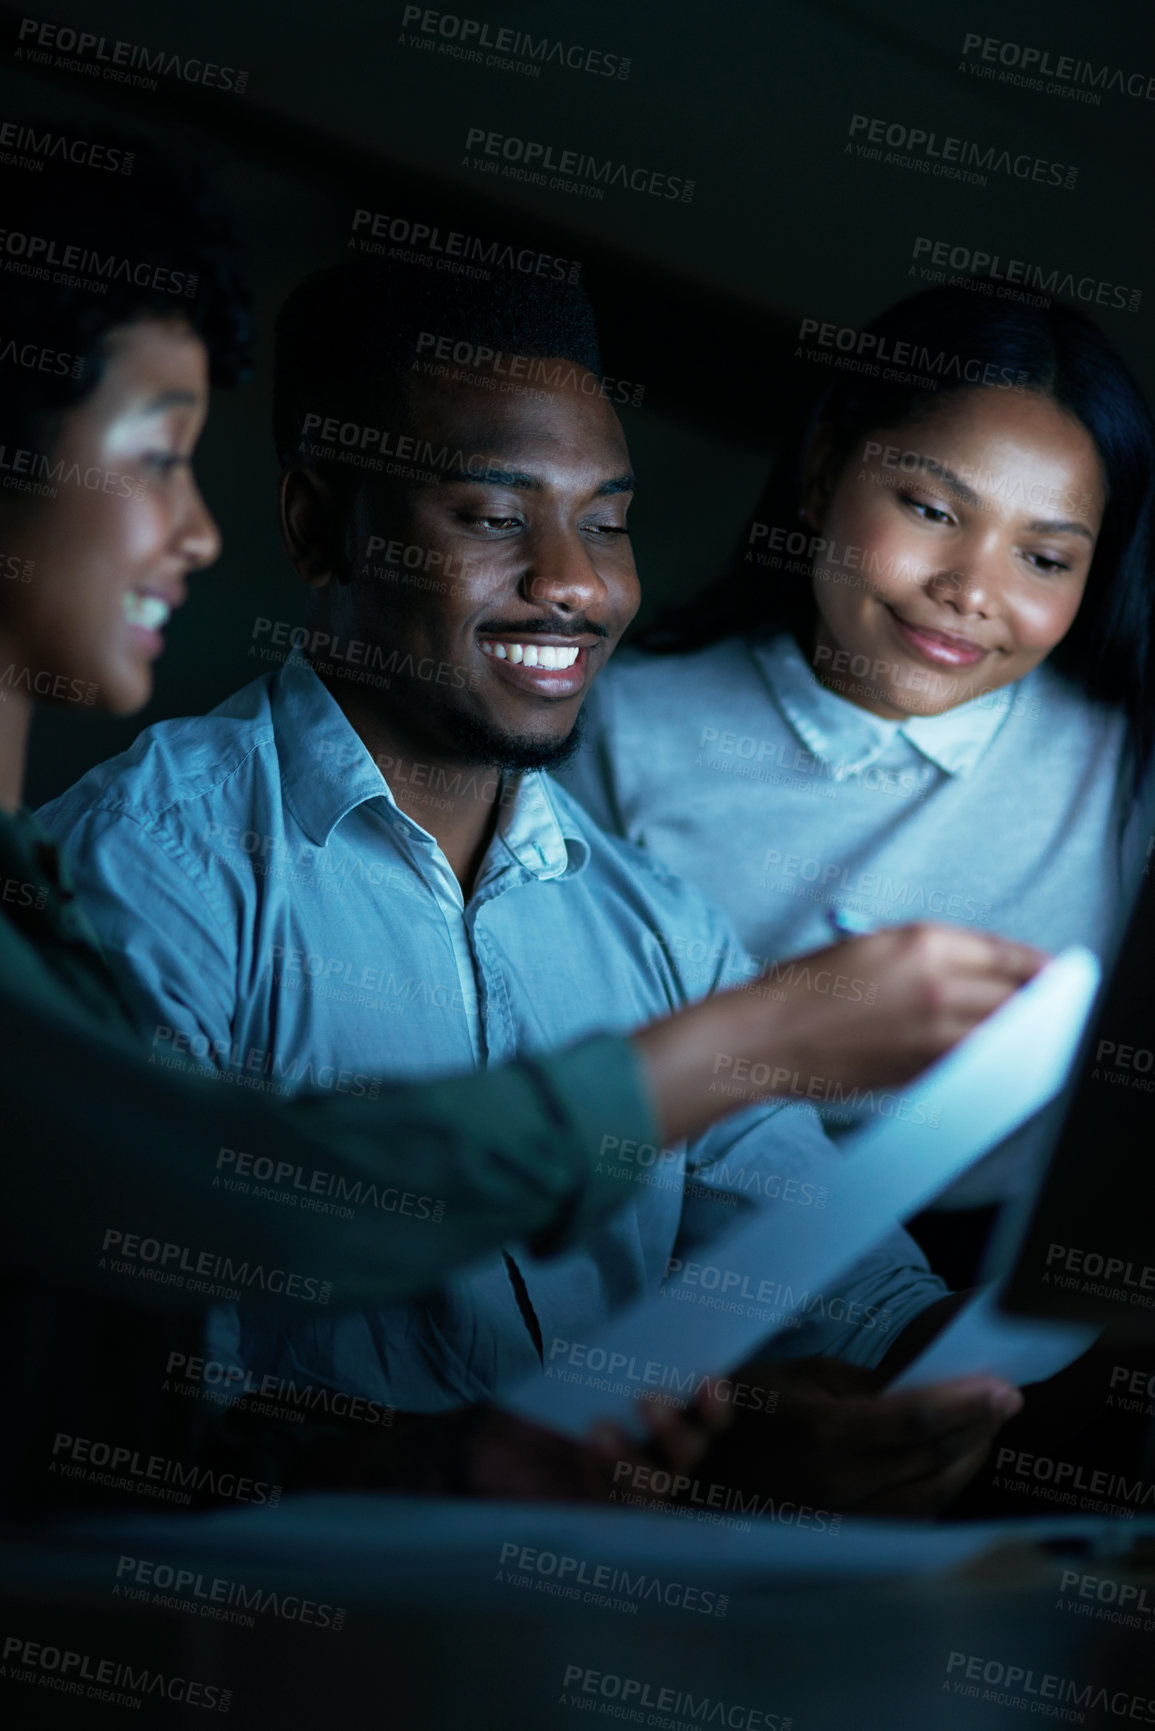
[974, 528]
[108, 556]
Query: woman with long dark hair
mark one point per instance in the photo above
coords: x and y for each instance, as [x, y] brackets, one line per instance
[925, 686]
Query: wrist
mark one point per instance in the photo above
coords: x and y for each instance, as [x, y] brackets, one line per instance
[689, 1056]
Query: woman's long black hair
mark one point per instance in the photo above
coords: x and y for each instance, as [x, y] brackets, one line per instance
[967, 334]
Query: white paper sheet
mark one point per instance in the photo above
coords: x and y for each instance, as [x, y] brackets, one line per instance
[994, 1080]
[982, 1342]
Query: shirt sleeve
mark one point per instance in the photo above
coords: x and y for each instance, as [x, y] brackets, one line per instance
[140, 1178]
[162, 924]
[778, 1157]
[866, 1310]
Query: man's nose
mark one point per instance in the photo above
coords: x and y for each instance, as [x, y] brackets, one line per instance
[561, 572]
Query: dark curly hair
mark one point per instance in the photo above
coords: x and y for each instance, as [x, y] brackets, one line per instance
[86, 249]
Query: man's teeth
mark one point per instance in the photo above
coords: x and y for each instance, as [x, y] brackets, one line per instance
[548, 655]
[147, 610]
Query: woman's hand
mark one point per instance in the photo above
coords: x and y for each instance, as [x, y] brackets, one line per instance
[870, 1012]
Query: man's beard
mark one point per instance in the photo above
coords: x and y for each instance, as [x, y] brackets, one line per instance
[479, 744]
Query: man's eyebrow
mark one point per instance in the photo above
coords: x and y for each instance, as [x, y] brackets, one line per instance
[1045, 526]
[495, 476]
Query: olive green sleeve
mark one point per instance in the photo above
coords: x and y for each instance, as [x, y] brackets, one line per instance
[155, 1184]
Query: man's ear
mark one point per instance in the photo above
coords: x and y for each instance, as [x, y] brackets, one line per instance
[818, 477]
[311, 527]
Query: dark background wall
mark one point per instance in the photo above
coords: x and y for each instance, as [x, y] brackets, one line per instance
[699, 301]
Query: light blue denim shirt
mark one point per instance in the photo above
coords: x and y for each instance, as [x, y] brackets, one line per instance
[276, 914]
[781, 799]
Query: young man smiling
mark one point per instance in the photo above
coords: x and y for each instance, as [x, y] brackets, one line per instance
[357, 866]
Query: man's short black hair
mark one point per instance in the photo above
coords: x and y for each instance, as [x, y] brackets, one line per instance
[88, 249]
[348, 336]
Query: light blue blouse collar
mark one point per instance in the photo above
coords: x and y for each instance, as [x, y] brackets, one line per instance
[849, 738]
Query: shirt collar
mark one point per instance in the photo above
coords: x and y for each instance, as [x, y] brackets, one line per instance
[850, 739]
[327, 771]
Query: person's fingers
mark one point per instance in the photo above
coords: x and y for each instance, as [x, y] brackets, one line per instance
[890, 1424]
[682, 1436]
[610, 1440]
[931, 1495]
[1020, 961]
[713, 1413]
[866, 1480]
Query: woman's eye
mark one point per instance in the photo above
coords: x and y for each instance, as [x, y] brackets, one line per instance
[1047, 565]
[929, 513]
[164, 461]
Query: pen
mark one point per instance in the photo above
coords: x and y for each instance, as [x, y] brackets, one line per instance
[845, 923]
